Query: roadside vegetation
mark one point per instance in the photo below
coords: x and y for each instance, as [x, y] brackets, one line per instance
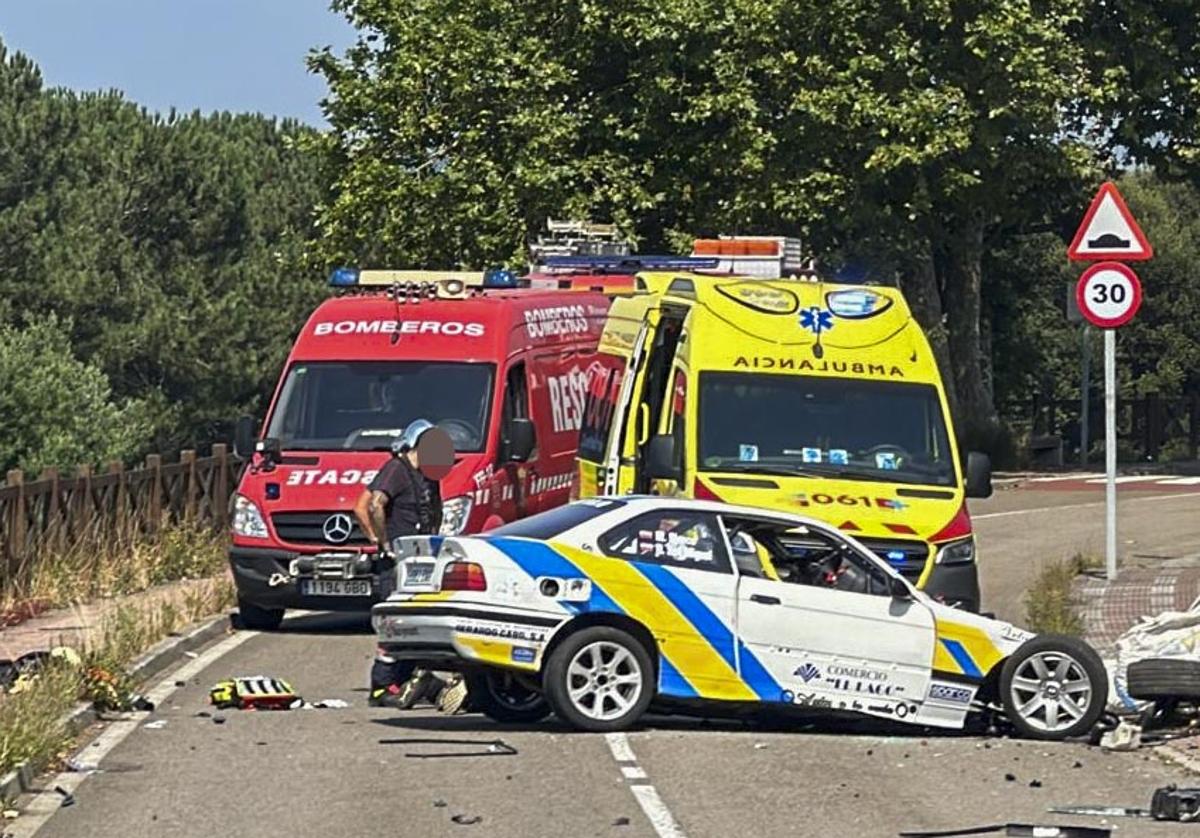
[95, 568]
[1050, 604]
[31, 721]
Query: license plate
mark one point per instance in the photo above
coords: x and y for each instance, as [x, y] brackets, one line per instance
[335, 587]
[418, 574]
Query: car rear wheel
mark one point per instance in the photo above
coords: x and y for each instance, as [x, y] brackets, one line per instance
[258, 619]
[503, 697]
[600, 679]
[1053, 687]
[1157, 678]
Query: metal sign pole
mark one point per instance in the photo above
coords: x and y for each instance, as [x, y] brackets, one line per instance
[1084, 407]
[1110, 453]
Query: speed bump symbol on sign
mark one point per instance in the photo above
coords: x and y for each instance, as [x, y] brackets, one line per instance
[1109, 294]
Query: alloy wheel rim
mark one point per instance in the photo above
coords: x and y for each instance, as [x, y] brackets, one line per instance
[604, 680]
[1051, 691]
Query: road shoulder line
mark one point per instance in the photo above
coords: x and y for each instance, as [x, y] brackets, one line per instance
[43, 806]
[653, 807]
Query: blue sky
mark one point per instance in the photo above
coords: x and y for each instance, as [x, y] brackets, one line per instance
[236, 55]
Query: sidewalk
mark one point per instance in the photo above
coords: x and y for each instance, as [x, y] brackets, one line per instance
[1110, 608]
[78, 625]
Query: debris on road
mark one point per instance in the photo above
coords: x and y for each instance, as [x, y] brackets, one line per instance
[1167, 636]
[1169, 803]
[467, 820]
[439, 804]
[1019, 829]
[492, 748]
[621, 822]
[327, 704]
[80, 767]
[155, 725]
[10, 814]
[1124, 737]
[256, 692]
[68, 799]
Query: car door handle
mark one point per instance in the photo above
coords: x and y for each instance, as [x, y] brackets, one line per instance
[764, 600]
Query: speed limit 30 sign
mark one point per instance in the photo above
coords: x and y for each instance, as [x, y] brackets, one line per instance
[1109, 294]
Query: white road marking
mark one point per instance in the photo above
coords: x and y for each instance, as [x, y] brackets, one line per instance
[660, 817]
[43, 807]
[1174, 496]
[1181, 481]
[1059, 477]
[1137, 478]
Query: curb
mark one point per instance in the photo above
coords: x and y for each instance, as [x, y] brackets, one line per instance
[160, 656]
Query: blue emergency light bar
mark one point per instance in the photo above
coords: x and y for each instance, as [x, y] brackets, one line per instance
[344, 277]
[632, 263]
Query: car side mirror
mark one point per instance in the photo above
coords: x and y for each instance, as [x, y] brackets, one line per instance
[979, 475]
[661, 462]
[898, 588]
[243, 436]
[519, 443]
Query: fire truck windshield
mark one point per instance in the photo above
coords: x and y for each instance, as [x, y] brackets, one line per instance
[362, 405]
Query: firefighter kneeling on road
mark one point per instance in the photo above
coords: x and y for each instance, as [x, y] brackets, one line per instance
[402, 500]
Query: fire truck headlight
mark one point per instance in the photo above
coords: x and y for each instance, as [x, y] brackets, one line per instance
[455, 513]
[247, 521]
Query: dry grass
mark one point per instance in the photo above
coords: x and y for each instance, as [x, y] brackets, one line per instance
[1050, 606]
[31, 727]
[96, 568]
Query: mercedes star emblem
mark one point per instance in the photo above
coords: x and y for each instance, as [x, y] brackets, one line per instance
[337, 528]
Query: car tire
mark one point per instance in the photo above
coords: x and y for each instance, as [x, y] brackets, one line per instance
[1066, 675]
[502, 698]
[254, 618]
[599, 679]
[1157, 678]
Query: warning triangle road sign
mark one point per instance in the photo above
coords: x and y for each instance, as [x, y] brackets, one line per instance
[1108, 231]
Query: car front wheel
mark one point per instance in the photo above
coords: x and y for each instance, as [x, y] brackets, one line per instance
[599, 679]
[254, 618]
[1053, 687]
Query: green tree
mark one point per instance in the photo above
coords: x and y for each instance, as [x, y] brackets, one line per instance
[175, 246]
[908, 135]
[58, 410]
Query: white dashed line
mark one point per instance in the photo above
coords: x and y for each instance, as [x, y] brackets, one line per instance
[660, 817]
[43, 807]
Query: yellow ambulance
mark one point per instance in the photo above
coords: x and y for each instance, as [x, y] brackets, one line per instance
[789, 394]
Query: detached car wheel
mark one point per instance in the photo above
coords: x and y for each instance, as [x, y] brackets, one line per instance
[1053, 687]
[1163, 678]
[502, 697]
[599, 679]
[258, 619]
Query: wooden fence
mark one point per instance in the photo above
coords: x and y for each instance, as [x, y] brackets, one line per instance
[56, 512]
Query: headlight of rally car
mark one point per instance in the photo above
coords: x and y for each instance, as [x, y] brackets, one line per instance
[247, 520]
[455, 513]
[957, 552]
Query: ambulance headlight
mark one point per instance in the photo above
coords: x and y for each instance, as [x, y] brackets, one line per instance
[957, 552]
[247, 520]
[455, 513]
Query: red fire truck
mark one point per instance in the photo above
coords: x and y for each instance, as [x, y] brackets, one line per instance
[502, 369]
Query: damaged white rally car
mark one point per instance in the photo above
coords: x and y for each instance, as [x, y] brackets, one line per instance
[599, 608]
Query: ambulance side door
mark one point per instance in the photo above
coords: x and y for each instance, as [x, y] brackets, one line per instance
[674, 423]
[630, 422]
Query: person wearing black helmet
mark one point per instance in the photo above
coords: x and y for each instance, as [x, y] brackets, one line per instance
[402, 500]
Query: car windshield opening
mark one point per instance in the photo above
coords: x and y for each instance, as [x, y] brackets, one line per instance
[363, 405]
[838, 427]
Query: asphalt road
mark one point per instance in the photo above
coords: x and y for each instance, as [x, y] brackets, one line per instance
[1020, 528]
[350, 772]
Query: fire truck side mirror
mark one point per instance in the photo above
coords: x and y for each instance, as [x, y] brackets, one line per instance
[243, 437]
[520, 441]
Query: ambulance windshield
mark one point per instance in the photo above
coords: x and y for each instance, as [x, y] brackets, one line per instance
[362, 405]
[846, 428]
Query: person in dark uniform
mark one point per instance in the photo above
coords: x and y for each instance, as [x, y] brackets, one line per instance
[400, 501]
